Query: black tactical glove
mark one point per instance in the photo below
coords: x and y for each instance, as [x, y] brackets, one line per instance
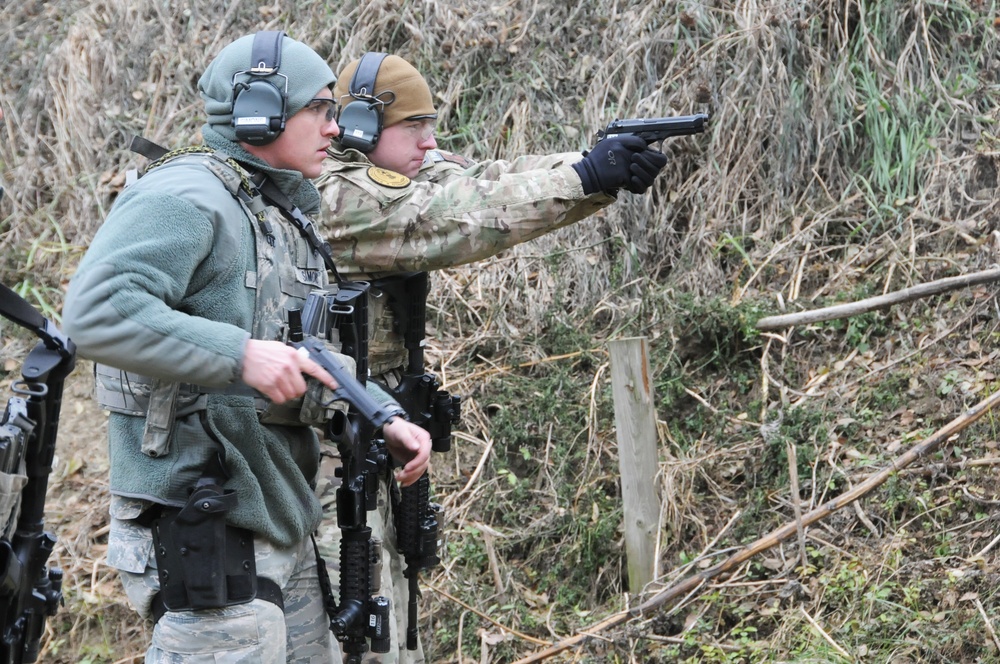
[620, 161]
[646, 165]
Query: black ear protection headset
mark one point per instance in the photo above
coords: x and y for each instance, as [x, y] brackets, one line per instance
[259, 107]
[361, 119]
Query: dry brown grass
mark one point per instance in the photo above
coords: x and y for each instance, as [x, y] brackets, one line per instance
[787, 201]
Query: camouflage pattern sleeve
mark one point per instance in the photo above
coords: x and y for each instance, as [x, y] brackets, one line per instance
[455, 212]
[440, 166]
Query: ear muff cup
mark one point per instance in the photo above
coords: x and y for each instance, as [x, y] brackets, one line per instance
[361, 119]
[258, 105]
[258, 113]
[360, 126]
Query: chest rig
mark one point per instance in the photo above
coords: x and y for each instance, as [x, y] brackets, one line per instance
[288, 267]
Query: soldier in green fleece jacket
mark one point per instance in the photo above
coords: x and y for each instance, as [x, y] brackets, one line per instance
[181, 301]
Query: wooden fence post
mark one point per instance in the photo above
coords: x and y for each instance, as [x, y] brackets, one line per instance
[635, 422]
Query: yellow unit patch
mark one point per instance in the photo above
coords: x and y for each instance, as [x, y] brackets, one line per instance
[387, 178]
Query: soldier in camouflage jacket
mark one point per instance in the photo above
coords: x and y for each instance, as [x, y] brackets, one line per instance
[395, 204]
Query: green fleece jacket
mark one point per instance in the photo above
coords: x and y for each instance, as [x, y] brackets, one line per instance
[167, 290]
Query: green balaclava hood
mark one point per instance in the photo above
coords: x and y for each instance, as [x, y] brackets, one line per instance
[307, 74]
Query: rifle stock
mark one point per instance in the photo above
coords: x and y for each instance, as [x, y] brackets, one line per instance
[30, 591]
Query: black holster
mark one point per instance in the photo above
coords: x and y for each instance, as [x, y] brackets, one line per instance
[203, 563]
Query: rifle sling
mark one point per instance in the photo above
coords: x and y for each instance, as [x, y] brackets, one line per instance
[276, 197]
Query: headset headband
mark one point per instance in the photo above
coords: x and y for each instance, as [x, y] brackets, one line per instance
[266, 43]
[361, 118]
[363, 82]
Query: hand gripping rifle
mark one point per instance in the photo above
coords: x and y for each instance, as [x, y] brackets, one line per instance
[654, 130]
[360, 615]
[30, 591]
[416, 517]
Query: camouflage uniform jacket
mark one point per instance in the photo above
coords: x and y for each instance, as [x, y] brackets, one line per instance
[454, 212]
[172, 289]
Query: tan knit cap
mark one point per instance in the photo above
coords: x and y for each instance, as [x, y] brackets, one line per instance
[411, 98]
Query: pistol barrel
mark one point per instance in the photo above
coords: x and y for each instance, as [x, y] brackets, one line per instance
[656, 129]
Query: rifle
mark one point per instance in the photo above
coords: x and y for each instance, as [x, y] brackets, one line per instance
[653, 130]
[360, 615]
[416, 517]
[30, 591]
[344, 315]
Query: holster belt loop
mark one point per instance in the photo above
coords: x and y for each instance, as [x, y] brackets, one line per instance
[267, 590]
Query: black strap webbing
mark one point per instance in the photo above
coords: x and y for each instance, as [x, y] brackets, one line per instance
[325, 585]
[147, 148]
[16, 309]
[278, 199]
[267, 590]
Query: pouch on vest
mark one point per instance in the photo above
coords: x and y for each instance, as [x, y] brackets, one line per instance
[160, 418]
[160, 402]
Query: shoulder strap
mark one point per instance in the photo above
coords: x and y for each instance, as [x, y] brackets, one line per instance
[17, 310]
[278, 199]
[147, 148]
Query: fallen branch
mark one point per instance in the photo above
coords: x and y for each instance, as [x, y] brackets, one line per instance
[849, 309]
[690, 585]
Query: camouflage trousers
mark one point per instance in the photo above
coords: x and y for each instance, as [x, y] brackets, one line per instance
[257, 632]
[392, 583]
